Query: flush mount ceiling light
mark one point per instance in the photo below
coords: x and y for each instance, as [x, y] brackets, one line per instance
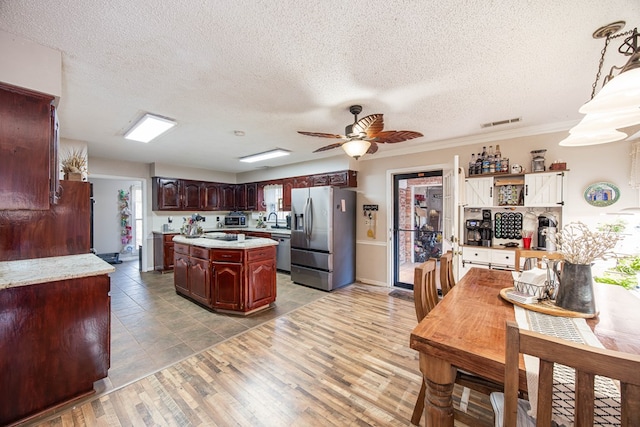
[278, 152]
[149, 127]
[617, 104]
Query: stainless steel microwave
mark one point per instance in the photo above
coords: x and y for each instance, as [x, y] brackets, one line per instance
[235, 220]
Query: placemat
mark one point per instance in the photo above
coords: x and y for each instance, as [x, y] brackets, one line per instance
[607, 402]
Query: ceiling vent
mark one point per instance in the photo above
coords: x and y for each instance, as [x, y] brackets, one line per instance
[501, 122]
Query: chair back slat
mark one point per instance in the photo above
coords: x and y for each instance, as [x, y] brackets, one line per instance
[425, 294]
[447, 281]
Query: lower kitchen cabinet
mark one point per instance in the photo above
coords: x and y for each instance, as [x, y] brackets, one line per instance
[237, 280]
[485, 257]
[163, 251]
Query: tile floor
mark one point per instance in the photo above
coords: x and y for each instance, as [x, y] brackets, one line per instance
[152, 327]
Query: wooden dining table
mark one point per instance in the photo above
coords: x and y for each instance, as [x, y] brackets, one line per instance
[466, 330]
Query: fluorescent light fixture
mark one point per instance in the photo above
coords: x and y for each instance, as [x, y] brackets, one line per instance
[278, 152]
[149, 127]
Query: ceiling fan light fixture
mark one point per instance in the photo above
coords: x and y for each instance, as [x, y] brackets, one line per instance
[149, 127]
[271, 154]
[356, 148]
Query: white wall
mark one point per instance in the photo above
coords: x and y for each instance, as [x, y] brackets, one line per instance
[30, 65]
[106, 214]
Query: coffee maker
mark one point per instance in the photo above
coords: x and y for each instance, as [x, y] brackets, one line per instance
[473, 237]
[546, 225]
[486, 228]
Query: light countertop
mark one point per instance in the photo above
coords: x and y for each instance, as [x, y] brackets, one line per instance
[210, 242]
[222, 230]
[41, 270]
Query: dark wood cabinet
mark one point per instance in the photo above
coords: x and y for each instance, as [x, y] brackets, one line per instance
[227, 286]
[163, 248]
[28, 169]
[240, 280]
[166, 194]
[199, 280]
[55, 344]
[210, 196]
[171, 194]
[261, 275]
[227, 197]
[64, 229]
[287, 185]
[191, 194]
[251, 196]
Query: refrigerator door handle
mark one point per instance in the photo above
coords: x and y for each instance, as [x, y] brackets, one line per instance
[308, 218]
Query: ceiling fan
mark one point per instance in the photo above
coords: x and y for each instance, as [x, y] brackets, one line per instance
[364, 135]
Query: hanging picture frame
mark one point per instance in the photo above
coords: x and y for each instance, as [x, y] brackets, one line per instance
[601, 194]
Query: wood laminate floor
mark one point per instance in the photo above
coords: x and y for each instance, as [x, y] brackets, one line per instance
[323, 359]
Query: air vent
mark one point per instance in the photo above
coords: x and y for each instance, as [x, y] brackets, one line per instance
[501, 122]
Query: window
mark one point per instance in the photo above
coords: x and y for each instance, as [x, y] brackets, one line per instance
[136, 195]
[273, 202]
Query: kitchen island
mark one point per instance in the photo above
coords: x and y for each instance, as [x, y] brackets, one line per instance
[224, 274]
[54, 332]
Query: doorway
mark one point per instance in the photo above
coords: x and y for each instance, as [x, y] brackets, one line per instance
[417, 222]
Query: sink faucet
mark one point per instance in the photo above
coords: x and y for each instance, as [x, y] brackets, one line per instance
[276, 215]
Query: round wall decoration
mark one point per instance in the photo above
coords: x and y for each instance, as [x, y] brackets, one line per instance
[601, 194]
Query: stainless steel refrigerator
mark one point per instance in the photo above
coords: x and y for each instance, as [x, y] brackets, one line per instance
[323, 237]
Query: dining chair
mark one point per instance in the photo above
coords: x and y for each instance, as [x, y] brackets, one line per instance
[534, 254]
[588, 361]
[425, 295]
[447, 281]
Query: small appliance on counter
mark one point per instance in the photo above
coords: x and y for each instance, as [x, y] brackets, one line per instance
[473, 238]
[235, 219]
[486, 228]
[537, 161]
[547, 224]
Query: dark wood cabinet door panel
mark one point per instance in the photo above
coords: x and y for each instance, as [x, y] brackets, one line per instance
[227, 286]
[210, 196]
[199, 280]
[166, 194]
[251, 196]
[25, 149]
[262, 283]
[180, 273]
[191, 194]
[55, 343]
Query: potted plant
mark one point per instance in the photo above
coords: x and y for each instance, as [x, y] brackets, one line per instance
[74, 165]
[580, 247]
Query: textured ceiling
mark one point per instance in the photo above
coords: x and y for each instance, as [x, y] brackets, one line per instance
[270, 68]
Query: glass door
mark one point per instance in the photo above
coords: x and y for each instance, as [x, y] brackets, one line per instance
[417, 222]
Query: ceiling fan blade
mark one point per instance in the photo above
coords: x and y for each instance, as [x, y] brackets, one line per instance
[323, 135]
[329, 147]
[371, 125]
[393, 136]
[373, 148]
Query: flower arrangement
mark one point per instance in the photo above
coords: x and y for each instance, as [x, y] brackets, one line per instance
[74, 161]
[579, 245]
[192, 225]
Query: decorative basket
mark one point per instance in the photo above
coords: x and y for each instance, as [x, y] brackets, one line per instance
[539, 291]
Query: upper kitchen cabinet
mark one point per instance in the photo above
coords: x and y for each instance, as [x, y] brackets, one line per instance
[166, 194]
[251, 196]
[287, 185]
[479, 192]
[227, 197]
[191, 195]
[544, 189]
[210, 196]
[28, 143]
